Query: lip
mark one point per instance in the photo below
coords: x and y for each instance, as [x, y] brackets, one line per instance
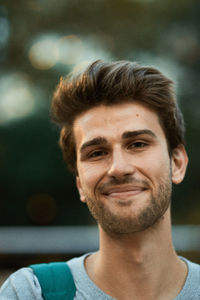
[120, 191]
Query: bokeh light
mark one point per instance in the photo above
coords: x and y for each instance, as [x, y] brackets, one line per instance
[16, 99]
[70, 49]
[44, 53]
[51, 50]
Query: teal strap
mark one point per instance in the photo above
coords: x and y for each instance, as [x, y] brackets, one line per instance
[56, 281]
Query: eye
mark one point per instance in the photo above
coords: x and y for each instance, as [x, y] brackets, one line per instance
[138, 145]
[97, 154]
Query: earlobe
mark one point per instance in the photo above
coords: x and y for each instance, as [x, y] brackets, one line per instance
[179, 164]
[80, 190]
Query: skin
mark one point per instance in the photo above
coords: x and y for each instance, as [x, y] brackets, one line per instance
[125, 176]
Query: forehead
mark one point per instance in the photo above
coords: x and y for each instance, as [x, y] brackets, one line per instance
[112, 121]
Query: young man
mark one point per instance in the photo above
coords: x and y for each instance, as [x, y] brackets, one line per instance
[123, 136]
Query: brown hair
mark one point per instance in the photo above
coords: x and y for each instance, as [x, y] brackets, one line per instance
[112, 83]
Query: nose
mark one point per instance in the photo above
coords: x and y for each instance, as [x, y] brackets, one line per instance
[121, 164]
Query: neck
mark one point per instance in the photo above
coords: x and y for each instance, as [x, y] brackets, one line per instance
[140, 246]
[145, 259]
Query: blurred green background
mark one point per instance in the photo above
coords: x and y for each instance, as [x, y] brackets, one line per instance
[41, 40]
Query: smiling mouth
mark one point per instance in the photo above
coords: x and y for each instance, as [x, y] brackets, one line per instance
[124, 192]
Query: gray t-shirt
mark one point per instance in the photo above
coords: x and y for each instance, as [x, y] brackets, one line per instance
[23, 284]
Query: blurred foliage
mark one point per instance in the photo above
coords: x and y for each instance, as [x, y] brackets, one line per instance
[41, 40]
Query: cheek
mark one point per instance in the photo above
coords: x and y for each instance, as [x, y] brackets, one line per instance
[156, 164]
[90, 175]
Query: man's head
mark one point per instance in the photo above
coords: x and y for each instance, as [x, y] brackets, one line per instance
[114, 83]
[123, 136]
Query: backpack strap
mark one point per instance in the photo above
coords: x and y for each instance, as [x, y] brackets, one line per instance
[56, 280]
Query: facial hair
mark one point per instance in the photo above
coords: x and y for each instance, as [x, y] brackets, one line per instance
[118, 224]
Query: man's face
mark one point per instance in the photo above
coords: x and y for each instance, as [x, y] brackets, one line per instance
[124, 169]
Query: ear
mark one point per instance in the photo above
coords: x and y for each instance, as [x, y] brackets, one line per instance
[179, 164]
[80, 190]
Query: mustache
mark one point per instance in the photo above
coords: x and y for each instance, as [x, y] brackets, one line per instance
[121, 181]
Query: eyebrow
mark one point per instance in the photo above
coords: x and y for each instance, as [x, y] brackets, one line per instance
[126, 135]
[94, 142]
[130, 134]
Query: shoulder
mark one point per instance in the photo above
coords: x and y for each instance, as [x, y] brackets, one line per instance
[191, 289]
[193, 268]
[21, 285]
[77, 261]
[76, 265]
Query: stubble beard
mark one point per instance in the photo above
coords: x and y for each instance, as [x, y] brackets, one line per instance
[114, 223]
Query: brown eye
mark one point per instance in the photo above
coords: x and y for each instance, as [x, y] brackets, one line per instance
[97, 154]
[138, 145]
